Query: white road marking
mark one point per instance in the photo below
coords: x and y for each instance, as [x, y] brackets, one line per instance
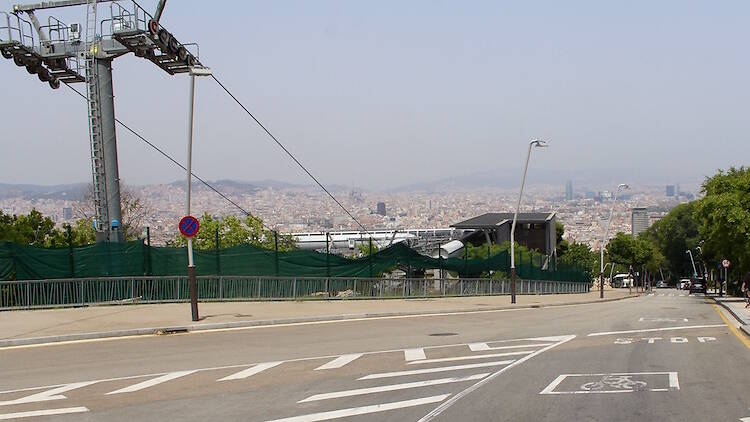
[339, 361]
[674, 383]
[393, 387]
[152, 382]
[745, 420]
[705, 339]
[363, 410]
[649, 330]
[50, 412]
[651, 319]
[444, 406]
[53, 394]
[484, 347]
[255, 369]
[414, 354]
[432, 370]
[470, 357]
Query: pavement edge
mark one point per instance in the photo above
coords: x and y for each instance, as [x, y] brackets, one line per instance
[162, 330]
[743, 327]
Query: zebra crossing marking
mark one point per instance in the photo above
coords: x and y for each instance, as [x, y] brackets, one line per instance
[152, 382]
[363, 410]
[339, 361]
[245, 373]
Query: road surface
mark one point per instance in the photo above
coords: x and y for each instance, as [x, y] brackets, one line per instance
[664, 356]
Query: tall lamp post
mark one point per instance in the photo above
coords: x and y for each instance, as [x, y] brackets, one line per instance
[537, 144]
[192, 282]
[604, 239]
[695, 272]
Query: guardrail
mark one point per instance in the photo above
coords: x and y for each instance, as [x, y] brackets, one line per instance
[29, 294]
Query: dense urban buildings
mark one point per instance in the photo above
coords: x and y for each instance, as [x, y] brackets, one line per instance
[291, 209]
[639, 220]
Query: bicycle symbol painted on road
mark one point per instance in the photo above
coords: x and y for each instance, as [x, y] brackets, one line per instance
[618, 382]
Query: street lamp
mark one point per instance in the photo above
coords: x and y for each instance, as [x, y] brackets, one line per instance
[192, 282]
[538, 144]
[604, 239]
[695, 272]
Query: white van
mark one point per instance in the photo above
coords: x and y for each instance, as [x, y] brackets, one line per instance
[622, 280]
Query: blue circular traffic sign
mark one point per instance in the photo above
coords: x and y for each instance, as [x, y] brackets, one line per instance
[189, 226]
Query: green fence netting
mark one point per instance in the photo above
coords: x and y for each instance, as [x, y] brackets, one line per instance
[136, 258]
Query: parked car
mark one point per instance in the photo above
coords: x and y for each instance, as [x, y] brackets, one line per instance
[698, 286]
[622, 280]
[684, 283]
[661, 284]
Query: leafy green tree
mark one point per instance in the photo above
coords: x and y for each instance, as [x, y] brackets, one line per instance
[673, 235]
[723, 216]
[580, 254]
[232, 232]
[32, 229]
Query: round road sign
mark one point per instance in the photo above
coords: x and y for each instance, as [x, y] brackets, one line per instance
[189, 226]
[725, 263]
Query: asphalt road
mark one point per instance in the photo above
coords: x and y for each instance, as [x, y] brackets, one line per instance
[660, 357]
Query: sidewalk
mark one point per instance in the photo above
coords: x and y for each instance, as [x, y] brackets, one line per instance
[54, 325]
[736, 306]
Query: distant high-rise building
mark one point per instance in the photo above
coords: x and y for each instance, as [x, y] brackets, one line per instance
[670, 190]
[639, 220]
[67, 213]
[569, 191]
[381, 208]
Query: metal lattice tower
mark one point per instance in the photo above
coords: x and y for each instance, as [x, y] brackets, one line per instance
[53, 52]
[98, 169]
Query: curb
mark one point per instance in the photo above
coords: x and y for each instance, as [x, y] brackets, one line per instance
[744, 327]
[269, 322]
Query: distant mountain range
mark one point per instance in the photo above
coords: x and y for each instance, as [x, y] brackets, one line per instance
[73, 191]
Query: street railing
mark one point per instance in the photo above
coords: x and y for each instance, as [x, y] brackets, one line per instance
[29, 294]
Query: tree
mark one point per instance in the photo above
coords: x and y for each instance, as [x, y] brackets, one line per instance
[32, 229]
[723, 216]
[673, 235]
[233, 231]
[134, 211]
[581, 255]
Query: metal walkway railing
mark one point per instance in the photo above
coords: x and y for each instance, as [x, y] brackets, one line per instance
[30, 294]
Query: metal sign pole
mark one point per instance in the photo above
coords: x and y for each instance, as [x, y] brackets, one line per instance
[192, 282]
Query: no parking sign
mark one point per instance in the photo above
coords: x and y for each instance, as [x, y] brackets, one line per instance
[189, 226]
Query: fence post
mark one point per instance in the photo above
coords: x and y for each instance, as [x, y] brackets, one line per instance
[218, 253]
[70, 252]
[294, 289]
[466, 258]
[83, 292]
[132, 288]
[149, 268]
[258, 278]
[276, 249]
[355, 287]
[328, 264]
[370, 257]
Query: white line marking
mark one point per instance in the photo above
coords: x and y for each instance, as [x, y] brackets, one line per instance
[431, 370]
[152, 382]
[339, 361]
[50, 412]
[393, 387]
[363, 410]
[53, 394]
[484, 347]
[674, 383]
[470, 357]
[444, 406]
[745, 420]
[414, 354]
[255, 369]
[648, 330]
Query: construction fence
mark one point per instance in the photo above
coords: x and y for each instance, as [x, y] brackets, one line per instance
[134, 259]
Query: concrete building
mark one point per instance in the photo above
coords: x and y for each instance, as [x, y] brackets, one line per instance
[67, 213]
[639, 220]
[569, 191]
[670, 191]
[381, 208]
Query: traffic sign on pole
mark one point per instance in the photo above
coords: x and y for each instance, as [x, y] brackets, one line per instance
[725, 263]
[189, 226]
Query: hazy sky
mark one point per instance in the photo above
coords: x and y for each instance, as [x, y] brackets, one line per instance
[387, 93]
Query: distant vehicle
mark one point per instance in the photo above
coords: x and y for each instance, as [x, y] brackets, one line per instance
[684, 283]
[698, 286]
[622, 280]
[661, 284]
